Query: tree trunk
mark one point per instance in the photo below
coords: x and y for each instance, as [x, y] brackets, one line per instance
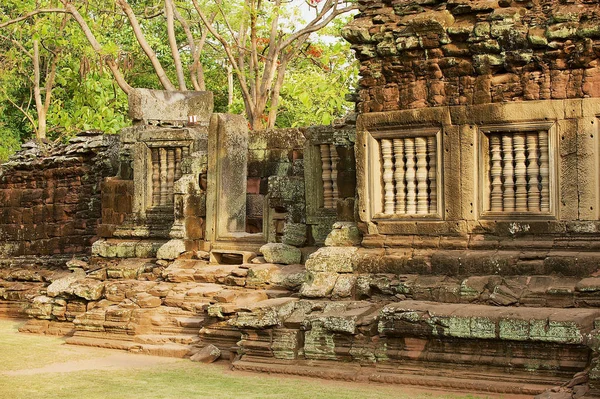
[275, 94]
[141, 39]
[169, 11]
[40, 132]
[229, 86]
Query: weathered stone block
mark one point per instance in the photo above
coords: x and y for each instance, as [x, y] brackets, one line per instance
[174, 106]
[227, 176]
[92, 290]
[319, 285]
[333, 260]
[171, 250]
[344, 234]
[208, 354]
[294, 234]
[281, 253]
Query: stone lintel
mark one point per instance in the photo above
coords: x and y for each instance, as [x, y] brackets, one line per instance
[172, 106]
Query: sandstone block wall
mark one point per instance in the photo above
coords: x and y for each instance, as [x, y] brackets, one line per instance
[50, 197]
[117, 200]
[417, 54]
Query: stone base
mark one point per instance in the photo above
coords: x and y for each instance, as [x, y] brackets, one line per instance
[423, 376]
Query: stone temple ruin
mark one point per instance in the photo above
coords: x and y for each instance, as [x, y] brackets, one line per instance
[448, 236]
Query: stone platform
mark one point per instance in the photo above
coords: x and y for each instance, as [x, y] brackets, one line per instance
[459, 333]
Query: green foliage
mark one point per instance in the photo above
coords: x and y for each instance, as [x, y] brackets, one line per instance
[316, 85]
[9, 142]
[85, 96]
[94, 102]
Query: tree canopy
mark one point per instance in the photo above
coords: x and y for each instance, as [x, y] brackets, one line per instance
[67, 66]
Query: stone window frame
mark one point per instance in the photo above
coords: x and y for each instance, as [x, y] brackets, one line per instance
[484, 170]
[143, 162]
[313, 183]
[374, 175]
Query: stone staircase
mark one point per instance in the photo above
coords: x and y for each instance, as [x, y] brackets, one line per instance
[148, 306]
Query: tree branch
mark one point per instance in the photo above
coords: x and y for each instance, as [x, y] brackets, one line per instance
[230, 56]
[23, 111]
[196, 56]
[314, 25]
[19, 45]
[173, 43]
[41, 111]
[52, 75]
[112, 65]
[33, 13]
[139, 35]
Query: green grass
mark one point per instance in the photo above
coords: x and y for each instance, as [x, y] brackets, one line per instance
[20, 351]
[181, 379]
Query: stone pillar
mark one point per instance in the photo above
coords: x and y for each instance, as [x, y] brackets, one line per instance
[227, 175]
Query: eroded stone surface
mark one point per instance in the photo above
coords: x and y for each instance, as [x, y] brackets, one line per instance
[281, 253]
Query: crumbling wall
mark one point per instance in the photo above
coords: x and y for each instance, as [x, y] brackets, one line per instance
[275, 160]
[285, 182]
[50, 200]
[417, 54]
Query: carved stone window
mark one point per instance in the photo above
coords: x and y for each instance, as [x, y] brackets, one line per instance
[166, 169]
[329, 172]
[517, 166]
[329, 178]
[405, 177]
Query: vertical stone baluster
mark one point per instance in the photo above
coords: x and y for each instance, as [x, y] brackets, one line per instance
[533, 173]
[185, 152]
[164, 194]
[432, 176]
[400, 204]
[178, 163]
[170, 174]
[334, 174]
[544, 171]
[155, 177]
[388, 176]
[520, 173]
[422, 197]
[508, 171]
[411, 188]
[326, 176]
[496, 203]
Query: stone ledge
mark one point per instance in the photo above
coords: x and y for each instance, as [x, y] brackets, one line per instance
[564, 326]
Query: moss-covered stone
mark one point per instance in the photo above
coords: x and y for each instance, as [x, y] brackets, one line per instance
[281, 253]
[333, 259]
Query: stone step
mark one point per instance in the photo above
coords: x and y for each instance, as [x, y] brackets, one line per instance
[552, 325]
[524, 384]
[13, 310]
[484, 257]
[191, 322]
[547, 345]
[166, 349]
[60, 328]
[494, 290]
[159, 339]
